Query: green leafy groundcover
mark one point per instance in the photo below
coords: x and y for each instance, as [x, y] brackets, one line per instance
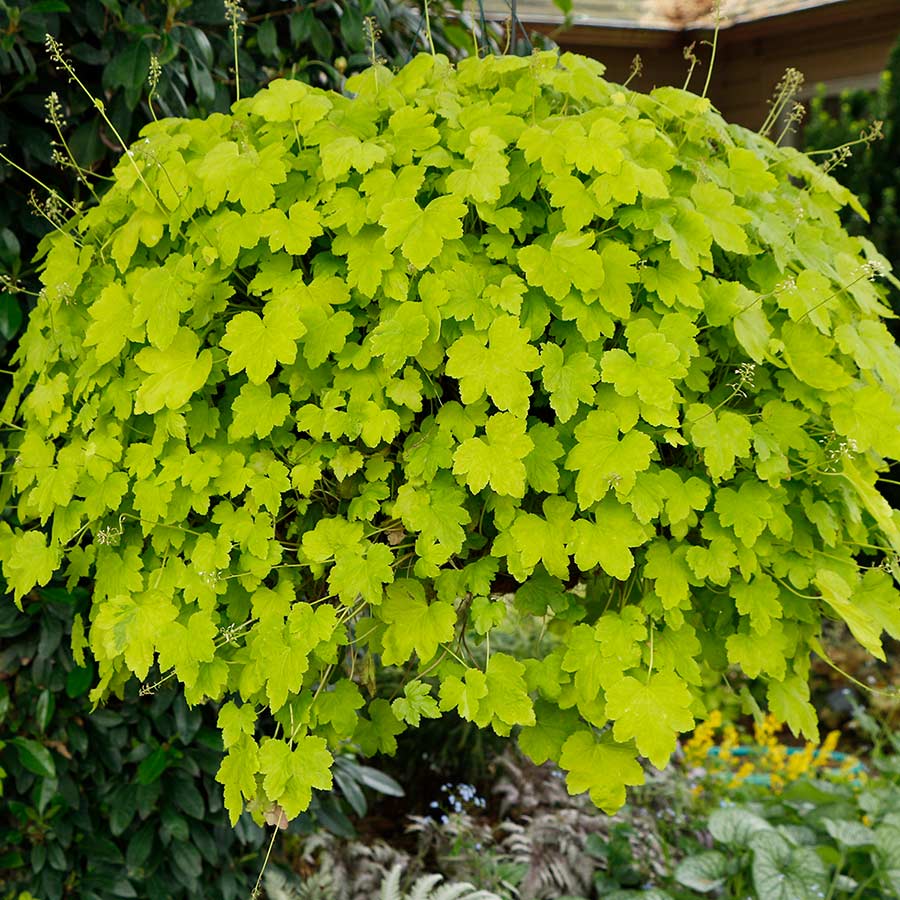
[318, 380]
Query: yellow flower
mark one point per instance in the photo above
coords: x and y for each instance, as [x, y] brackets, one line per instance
[730, 737]
[799, 763]
[764, 732]
[744, 772]
[826, 749]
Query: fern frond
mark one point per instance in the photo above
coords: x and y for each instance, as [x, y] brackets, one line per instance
[390, 887]
[429, 887]
[424, 886]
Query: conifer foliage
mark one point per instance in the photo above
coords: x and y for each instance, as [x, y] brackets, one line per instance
[318, 380]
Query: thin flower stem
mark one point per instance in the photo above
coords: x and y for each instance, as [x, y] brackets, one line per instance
[257, 886]
[56, 54]
[36, 180]
[715, 43]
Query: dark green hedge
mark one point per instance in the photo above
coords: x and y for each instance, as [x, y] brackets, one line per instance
[119, 802]
[871, 171]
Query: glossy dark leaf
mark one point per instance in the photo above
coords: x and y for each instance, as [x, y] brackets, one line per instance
[35, 757]
[129, 70]
[48, 6]
[267, 38]
[202, 82]
[187, 860]
[174, 826]
[48, 791]
[11, 860]
[153, 766]
[10, 249]
[205, 843]
[56, 856]
[43, 710]
[300, 26]
[379, 781]
[352, 28]
[140, 845]
[189, 800]
[38, 858]
[122, 809]
[78, 680]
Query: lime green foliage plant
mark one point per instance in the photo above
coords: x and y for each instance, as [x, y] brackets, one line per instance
[318, 381]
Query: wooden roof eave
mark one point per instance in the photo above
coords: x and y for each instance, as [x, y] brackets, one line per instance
[594, 33]
[587, 32]
[832, 14]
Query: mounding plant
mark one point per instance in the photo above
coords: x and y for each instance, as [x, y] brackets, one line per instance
[322, 387]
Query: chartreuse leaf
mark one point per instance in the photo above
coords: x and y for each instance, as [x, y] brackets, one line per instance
[464, 694]
[601, 766]
[256, 411]
[413, 622]
[29, 562]
[487, 174]
[723, 437]
[161, 295]
[869, 607]
[131, 625]
[759, 654]
[415, 704]
[183, 647]
[378, 733]
[760, 600]
[237, 774]
[436, 513]
[608, 540]
[568, 262]
[531, 539]
[603, 461]
[498, 366]
[553, 727]
[506, 702]
[809, 354]
[112, 325]
[361, 572]
[653, 713]
[293, 232]
[256, 344]
[789, 703]
[291, 772]
[569, 379]
[400, 337]
[238, 172]
[497, 458]
[420, 233]
[650, 373]
[235, 721]
[173, 375]
[723, 218]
